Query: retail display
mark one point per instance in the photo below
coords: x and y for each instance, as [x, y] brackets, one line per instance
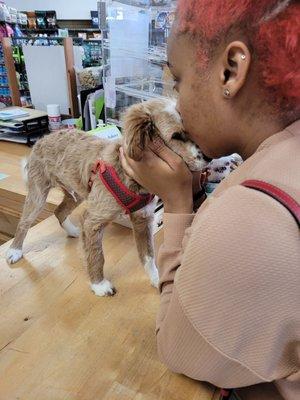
[134, 52]
[92, 53]
[31, 20]
[5, 95]
[21, 73]
[95, 19]
[89, 78]
[41, 20]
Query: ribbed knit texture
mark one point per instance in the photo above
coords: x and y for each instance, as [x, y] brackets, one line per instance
[230, 281]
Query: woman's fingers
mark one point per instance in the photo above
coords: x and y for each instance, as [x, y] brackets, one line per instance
[162, 151]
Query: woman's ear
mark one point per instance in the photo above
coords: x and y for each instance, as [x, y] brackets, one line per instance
[138, 130]
[236, 61]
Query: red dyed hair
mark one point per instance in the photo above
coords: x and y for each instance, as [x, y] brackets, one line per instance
[273, 30]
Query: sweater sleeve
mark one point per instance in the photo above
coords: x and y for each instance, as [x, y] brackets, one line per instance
[175, 229]
[224, 293]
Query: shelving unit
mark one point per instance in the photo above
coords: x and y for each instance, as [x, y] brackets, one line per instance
[21, 73]
[9, 88]
[142, 56]
[37, 31]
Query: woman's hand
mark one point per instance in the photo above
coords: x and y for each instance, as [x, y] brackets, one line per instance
[164, 173]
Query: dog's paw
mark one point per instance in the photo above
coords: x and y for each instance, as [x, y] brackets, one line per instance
[152, 271]
[154, 279]
[72, 230]
[13, 255]
[104, 288]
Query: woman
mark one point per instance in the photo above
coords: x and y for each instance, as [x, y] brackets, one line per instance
[230, 274]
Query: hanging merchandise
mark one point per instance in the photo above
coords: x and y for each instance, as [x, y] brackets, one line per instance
[17, 31]
[92, 53]
[4, 13]
[31, 20]
[9, 30]
[22, 19]
[13, 15]
[5, 96]
[41, 19]
[3, 32]
[89, 78]
[21, 73]
[51, 19]
[95, 19]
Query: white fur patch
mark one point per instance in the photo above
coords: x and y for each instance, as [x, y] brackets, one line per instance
[70, 228]
[171, 109]
[13, 255]
[152, 271]
[104, 288]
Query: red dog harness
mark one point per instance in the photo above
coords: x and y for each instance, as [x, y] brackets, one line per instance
[127, 199]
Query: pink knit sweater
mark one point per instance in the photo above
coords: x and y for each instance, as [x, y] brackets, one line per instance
[230, 281]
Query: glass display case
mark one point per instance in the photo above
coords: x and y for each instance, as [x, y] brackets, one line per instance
[135, 34]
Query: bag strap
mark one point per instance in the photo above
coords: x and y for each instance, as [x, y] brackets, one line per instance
[282, 197]
[290, 204]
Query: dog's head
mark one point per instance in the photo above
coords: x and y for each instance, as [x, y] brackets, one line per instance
[143, 121]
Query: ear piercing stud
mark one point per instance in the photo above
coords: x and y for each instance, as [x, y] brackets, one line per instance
[243, 57]
[227, 92]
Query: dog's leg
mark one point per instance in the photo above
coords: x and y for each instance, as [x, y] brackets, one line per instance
[34, 203]
[63, 212]
[92, 235]
[143, 233]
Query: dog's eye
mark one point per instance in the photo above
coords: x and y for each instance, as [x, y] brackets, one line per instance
[179, 136]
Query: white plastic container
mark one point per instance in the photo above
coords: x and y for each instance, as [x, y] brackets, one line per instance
[54, 117]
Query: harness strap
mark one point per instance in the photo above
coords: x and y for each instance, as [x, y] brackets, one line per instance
[128, 200]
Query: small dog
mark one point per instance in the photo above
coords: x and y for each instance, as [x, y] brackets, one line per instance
[66, 160]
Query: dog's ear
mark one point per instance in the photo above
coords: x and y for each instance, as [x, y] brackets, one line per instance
[138, 130]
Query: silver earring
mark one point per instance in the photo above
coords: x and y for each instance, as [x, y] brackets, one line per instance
[227, 92]
[243, 57]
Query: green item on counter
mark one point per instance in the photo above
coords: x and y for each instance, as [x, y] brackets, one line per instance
[99, 105]
[79, 123]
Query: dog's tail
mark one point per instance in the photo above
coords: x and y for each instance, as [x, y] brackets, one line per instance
[24, 169]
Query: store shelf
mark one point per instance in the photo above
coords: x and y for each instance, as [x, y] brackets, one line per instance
[145, 4]
[46, 30]
[83, 29]
[143, 89]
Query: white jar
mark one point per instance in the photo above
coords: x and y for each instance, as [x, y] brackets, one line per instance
[54, 117]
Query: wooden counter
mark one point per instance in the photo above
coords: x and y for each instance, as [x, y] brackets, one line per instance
[58, 341]
[13, 190]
